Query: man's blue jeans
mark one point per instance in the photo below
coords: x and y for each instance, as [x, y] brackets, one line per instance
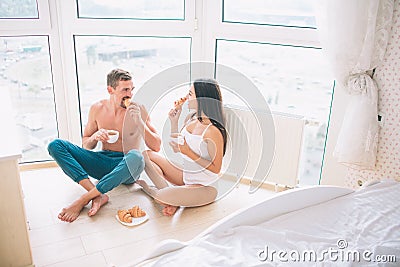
[109, 167]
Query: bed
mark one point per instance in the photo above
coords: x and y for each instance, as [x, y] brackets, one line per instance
[313, 226]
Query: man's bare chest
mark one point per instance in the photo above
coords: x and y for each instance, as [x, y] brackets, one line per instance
[110, 121]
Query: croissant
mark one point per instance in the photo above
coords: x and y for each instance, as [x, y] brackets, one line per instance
[180, 102]
[124, 216]
[127, 102]
[136, 212]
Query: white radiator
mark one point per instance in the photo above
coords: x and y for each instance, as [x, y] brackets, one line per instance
[281, 140]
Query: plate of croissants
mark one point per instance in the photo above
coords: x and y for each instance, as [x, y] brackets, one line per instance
[132, 217]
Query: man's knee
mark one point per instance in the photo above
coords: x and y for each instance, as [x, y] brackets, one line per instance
[55, 145]
[135, 160]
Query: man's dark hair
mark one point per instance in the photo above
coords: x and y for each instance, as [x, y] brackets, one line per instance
[117, 75]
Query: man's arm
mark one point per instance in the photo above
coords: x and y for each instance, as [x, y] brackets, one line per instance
[88, 140]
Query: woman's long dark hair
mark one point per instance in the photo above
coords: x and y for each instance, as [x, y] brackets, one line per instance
[209, 103]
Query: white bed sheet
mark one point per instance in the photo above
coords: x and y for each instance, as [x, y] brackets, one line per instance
[367, 221]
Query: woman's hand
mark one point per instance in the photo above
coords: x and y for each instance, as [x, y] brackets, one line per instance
[184, 149]
[174, 114]
[178, 144]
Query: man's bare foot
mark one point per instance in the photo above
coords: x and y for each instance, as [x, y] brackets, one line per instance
[169, 210]
[97, 202]
[70, 213]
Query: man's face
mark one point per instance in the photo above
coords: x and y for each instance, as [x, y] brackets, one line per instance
[122, 91]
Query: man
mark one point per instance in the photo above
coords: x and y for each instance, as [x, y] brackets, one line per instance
[110, 165]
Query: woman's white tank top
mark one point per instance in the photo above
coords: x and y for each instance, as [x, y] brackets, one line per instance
[193, 173]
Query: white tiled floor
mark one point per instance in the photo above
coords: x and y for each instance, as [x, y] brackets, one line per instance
[101, 240]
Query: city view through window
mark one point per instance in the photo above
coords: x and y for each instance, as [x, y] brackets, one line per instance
[279, 74]
[25, 72]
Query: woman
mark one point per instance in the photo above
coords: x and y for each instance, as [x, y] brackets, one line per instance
[203, 147]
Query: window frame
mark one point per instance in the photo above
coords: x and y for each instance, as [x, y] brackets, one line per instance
[203, 23]
[71, 26]
[214, 28]
[25, 25]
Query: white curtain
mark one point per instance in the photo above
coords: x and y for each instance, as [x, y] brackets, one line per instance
[354, 36]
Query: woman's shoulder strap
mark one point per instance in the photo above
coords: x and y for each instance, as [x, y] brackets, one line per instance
[205, 130]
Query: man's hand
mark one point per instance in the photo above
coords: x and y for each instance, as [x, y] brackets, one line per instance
[134, 112]
[101, 135]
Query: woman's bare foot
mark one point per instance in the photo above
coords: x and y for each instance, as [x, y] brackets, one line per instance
[70, 213]
[97, 203]
[169, 210]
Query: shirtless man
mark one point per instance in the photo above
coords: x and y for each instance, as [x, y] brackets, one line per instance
[110, 165]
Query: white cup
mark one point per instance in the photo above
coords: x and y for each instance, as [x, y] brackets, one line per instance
[177, 138]
[113, 136]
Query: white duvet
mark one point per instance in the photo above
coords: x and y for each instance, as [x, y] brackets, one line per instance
[359, 228]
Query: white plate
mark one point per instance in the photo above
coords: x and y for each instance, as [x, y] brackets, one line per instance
[135, 221]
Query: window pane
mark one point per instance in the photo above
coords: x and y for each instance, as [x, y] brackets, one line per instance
[142, 9]
[18, 9]
[26, 72]
[283, 12]
[293, 80]
[144, 57]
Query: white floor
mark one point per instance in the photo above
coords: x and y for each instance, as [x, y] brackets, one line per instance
[101, 240]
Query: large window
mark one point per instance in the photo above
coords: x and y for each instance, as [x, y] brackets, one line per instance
[26, 73]
[56, 54]
[285, 63]
[280, 74]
